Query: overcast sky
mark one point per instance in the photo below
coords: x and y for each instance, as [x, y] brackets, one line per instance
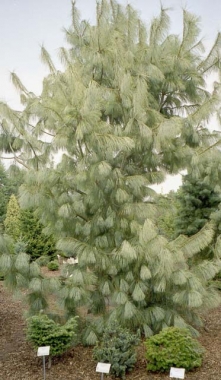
[27, 24]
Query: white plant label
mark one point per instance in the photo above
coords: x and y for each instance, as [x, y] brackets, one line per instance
[43, 351]
[177, 373]
[103, 367]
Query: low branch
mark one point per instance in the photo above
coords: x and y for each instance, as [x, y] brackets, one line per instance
[16, 159]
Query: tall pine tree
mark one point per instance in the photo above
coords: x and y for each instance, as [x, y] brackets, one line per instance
[130, 106]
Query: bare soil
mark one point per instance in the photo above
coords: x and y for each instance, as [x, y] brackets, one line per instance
[18, 361]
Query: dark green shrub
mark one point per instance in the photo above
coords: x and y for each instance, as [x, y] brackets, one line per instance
[43, 331]
[53, 265]
[38, 243]
[173, 347]
[43, 261]
[117, 347]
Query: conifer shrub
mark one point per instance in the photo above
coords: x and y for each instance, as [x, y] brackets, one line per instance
[173, 347]
[117, 347]
[53, 265]
[43, 331]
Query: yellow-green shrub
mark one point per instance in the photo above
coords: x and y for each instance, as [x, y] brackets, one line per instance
[173, 347]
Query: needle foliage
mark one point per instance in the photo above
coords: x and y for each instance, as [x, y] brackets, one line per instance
[130, 106]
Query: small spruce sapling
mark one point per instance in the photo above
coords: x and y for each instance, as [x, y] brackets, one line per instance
[117, 347]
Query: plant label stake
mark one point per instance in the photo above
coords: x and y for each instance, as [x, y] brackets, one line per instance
[177, 373]
[103, 368]
[43, 351]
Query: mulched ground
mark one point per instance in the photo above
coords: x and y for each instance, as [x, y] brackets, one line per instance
[18, 361]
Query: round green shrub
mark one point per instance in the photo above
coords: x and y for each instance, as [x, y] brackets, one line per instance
[53, 265]
[43, 331]
[173, 347]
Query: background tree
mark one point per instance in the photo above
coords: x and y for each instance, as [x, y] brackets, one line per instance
[37, 243]
[198, 200]
[168, 209]
[12, 222]
[126, 110]
[10, 180]
[15, 179]
[3, 193]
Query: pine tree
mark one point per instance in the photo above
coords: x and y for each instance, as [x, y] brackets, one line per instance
[130, 106]
[12, 220]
